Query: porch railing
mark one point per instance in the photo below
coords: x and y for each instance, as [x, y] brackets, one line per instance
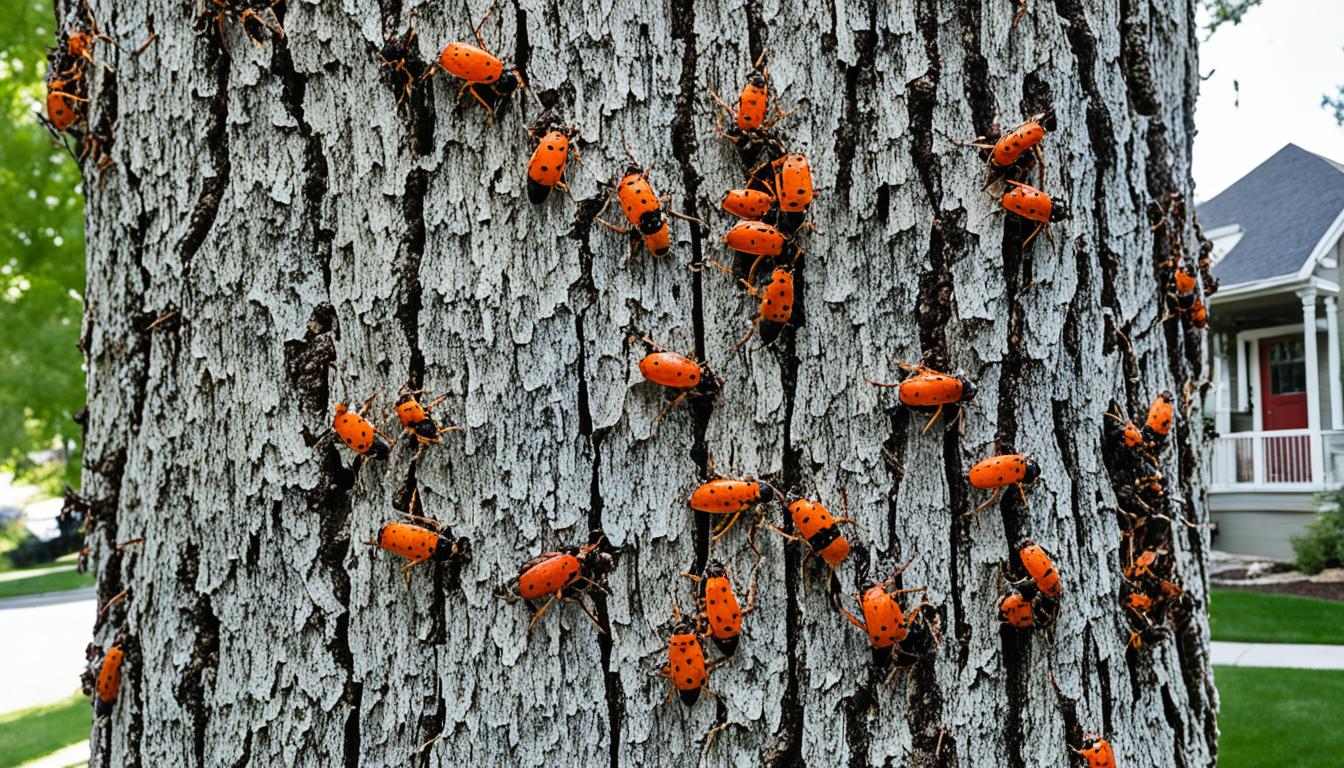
[1277, 460]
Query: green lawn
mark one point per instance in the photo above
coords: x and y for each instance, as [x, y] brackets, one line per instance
[14, 585]
[32, 733]
[1287, 718]
[1255, 617]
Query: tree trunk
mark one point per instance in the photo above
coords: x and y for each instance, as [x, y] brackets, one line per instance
[318, 244]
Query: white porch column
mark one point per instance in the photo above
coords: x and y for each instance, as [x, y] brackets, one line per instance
[1222, 395]
[1243, 384]
[1332, 362]
[1308, 296]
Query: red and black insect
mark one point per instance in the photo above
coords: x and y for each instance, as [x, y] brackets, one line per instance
[487, 78]
[1032, 598]
[894, 634]
[1161, 416]
[1013, 154]
[357, 432]
[776, 299]
[566, 574]
[109, 681]
[760, 240]
[421, 540]
[794, 193]
[546, 167]
[749, 117]
[818, 528]
[1198, 314]
[724, 496]
[1122, 432]
[1034, 205]
[1016, 608]
[997, 472]
[748, 204]
[928, 390]
[67, 69]
[67, 98]
[256, 17]
[1183, 287]
[719, 605]
[686, 666]
[1096, 751]
[1040, 566]
[679, 375]
[643, 208]
[401, 56]
[418, 419]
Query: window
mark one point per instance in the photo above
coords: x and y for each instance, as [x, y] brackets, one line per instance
[1287, 367]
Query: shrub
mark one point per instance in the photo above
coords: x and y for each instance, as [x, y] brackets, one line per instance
[1322, 544]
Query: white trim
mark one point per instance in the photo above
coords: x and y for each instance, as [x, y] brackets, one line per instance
[1332, 363]
[1222, 407]
[1255, 334]
[1270, 286]
[1313, 364]
[1323, 246]
[1257, 407]
[1255, 288]
[1266, 487]
[1223, 231]
[1243, 384]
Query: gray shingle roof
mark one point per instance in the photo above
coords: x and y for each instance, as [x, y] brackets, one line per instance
[1285, 206]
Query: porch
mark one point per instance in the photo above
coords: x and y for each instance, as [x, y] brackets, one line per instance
[1278, 414]
[1285, 460]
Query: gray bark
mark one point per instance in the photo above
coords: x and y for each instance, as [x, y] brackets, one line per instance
[319, 244]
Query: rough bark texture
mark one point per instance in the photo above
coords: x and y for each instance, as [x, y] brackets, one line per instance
[319, 244]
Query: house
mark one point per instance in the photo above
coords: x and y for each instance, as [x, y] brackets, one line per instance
[1276, 349]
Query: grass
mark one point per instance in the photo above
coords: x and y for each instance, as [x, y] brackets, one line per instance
[1288, 718]
[1255, 617]
[57, 581]
[31, 733]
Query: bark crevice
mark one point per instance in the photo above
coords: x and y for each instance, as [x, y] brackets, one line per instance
[197, 680]
[206, 209]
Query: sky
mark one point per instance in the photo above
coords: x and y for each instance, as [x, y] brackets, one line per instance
[1285, 55]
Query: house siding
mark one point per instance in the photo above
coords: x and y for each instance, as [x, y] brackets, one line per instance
[1260, 523]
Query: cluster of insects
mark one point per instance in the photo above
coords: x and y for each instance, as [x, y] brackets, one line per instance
[1152, 596]
[1181, 283]
[256, 18]
[1011, 158]
[68, 73]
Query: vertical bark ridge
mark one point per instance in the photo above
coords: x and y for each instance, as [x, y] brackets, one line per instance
[611, 678]
[1016, 647]
[197, 680]
[1134, 59]
[788, 745]
[217, 143]
[684, 149]
[412, 249]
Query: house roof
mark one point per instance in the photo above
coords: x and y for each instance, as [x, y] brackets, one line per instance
[1285, 206]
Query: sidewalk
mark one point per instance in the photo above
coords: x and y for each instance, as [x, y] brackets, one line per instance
[1277, 655]
[42, 641]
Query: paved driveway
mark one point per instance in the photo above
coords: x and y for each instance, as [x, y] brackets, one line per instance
[42, 641]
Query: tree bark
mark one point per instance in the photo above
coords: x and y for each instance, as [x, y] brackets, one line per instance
[319, 244]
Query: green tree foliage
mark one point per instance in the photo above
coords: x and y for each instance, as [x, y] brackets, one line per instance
[1335, 104]
[1227, 12]
[41, 254]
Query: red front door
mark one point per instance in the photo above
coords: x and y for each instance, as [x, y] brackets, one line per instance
[1283, 383]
